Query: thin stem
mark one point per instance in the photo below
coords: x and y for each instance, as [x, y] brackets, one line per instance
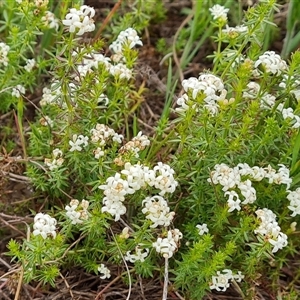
[166, 279]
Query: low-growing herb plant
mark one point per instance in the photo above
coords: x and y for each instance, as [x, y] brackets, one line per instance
[212, 199]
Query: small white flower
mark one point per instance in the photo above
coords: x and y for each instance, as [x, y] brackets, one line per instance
[233, 201]
[221, 281]
[76, 211]
[279, 243]
[219, 12]
[272, 63]
[18, 90]
[294, 198]
[247, 191]
[121, 71]
[103, 99]
[127, 37]
[80, 21]
[30, 64]
[138, 256]
[4, 49]
[105, 271]
[78, 142]
[167, 246]
[44, 225]
[50, 21]
[164, 179]
[232, 31]
[157, 210]
[202, 229]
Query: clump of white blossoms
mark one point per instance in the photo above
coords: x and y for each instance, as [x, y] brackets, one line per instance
[4, 49]
[56, 161]
[222, 281]
[137, 144]
[30, 64]
[209, 86]
[105, 271]
[53, 95]
[288, 113]
[80, 21]
[77, 142]
[77, 211]
[219, 12]
[120, 71]
[169, 245]
[202, 228]
[128, 37]
[50, 20]
[103, 135]
[138, 256]
[90, 62]
[270, 229]
[271, 63]
[44, 225]
[164, 179]
[157, 211]
[232, 178]
[267, 101]
[18, 90]
[115, 191]
[131, 179]
[233, 32]
[294, 198]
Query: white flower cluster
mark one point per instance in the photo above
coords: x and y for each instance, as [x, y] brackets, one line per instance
[272, 63]
[235, 31]
[4, 49]
[131, 179]
[138, 256]
[202, 228]
[208, 85]
[52, 95]
[133, 147]
[163, 179]
[105, 271]
[270, 229]
[294, 198]
[157, 211]
[101, 136]
[44, 225]
[80, 21]
[77, 142]
[18, 90]
[76, 211]
[56, 160]
[231, 178]
[219, 12]
[288, 113]
[90, 61]
[293, 83]
[93, 60]
[121, 71]
[267, 101]
[168, 246]
[50, 20]
[222, 281]
[128, 37]
[30, 64]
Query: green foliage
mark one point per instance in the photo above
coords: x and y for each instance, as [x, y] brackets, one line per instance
[233, 149]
